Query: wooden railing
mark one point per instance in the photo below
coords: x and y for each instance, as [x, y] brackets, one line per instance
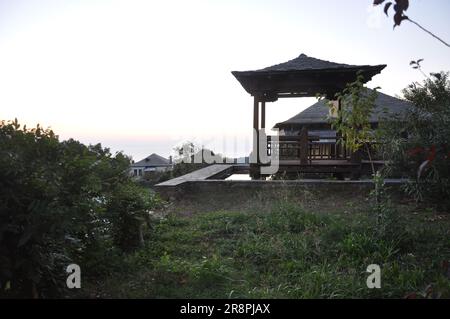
[292, 148]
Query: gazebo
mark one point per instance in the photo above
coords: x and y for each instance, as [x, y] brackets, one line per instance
[301, 77]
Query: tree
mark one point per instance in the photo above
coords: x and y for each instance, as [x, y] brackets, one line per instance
[54, 209]
[353, 117]
[419, 148]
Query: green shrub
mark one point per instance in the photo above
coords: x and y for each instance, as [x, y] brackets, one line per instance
[419, 146]
[129, 207]
[53, 208]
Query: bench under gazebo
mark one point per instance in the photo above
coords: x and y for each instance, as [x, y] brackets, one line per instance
[301, 77]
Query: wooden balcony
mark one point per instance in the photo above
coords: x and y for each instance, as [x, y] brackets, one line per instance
[294, 148]
[314, 154]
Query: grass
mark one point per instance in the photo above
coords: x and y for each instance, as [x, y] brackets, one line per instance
[286, 250]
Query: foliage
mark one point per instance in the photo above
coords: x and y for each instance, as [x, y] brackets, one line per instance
[400, 7]
[419, 147]
[387, 224]
[353, 117]
[128, 207]
[286, 252]
[53, 208]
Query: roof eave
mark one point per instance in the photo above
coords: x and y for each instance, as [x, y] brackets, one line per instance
[307, 82]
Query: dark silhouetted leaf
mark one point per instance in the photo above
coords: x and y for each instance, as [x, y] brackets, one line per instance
[403, 5]
[398, 18]
[386, 7]
[437, 76]
[377, 2]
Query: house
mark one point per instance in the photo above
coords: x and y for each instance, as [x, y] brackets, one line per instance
[316, 117]
[151, 164]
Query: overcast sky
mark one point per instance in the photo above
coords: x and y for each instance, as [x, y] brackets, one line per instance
[142, 76]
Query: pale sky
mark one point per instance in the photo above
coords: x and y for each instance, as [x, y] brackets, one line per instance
[141, 76]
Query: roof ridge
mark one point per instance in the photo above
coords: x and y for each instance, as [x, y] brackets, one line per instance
[303, 62]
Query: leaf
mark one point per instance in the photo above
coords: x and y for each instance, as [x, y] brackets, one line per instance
[438, 76]
[421, 168]
[386, 7]
[403, 5]
[377, 2]
[398, 18]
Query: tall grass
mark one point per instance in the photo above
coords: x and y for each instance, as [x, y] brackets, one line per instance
[285, 253]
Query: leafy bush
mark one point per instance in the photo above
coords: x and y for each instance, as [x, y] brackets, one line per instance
[53, 208]
[419, 148]
[129, 208]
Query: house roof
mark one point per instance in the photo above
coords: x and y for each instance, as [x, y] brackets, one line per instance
[385, 105]
[152, 160]
[303, 76]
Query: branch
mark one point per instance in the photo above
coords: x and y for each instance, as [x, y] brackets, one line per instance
[429, 32]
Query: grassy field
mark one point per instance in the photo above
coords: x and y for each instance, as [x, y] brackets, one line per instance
[295, 245]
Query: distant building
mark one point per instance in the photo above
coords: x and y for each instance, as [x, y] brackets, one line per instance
[151, 164]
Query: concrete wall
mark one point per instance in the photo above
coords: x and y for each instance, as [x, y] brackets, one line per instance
[213, 187]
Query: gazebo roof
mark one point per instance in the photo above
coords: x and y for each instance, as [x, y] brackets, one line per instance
[302, 76]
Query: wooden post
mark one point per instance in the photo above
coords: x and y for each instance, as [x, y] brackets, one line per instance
[340, 150]
[304, 146]
[263, 114]
[256, 126]
[254, 167]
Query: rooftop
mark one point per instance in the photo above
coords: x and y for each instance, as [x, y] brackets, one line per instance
[303, 76]
[385, 105]
[152, 160]
[304, 62]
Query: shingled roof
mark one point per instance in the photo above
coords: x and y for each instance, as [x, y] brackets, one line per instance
[385, 105]
[303, 76]
[304, 62]
[152, 160]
